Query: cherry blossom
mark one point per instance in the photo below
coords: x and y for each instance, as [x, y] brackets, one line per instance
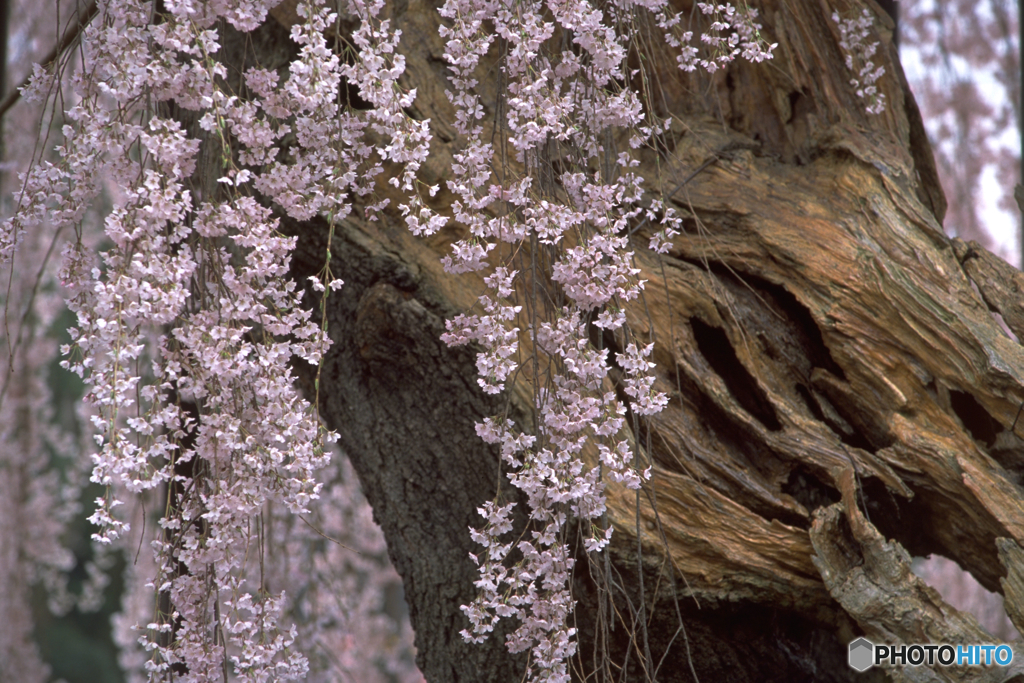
[858, 53]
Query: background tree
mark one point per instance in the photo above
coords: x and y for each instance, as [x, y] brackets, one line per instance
[967, 62]
[839, 384]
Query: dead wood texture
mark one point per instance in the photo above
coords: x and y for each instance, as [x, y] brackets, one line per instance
[843, 394]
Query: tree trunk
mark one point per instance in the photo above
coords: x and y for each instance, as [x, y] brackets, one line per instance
[843, 393]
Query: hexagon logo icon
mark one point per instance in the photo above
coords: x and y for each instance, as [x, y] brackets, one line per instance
[862, 654]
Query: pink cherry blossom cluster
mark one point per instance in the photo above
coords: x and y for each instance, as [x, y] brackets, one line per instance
[185, 330]
[558, 236]
[732, 33]
[563, 99]
[854, 35]
[187, 323]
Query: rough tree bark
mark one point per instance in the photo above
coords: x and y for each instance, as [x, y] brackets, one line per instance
[843, 393]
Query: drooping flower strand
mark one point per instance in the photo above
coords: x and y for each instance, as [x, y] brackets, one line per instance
[732, 33]
[187, 325]
[564, 63]
[858, 52]
[567, 98]
[173, 317]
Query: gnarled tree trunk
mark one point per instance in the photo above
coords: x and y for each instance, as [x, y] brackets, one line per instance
[842, 391]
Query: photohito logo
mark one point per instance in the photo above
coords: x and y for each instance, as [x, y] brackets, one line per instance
[864, 654]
